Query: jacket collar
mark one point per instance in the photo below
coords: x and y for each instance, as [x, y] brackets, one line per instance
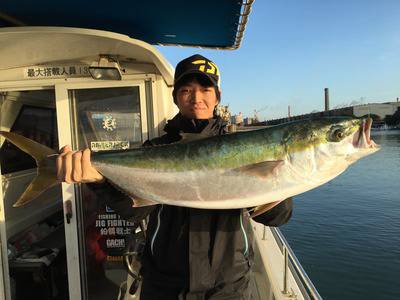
[180, 124]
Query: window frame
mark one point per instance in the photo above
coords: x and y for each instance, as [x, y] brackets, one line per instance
[5, 285]
[65, 119]
[147, 95]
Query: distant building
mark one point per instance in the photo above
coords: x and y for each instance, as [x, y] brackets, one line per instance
[248, 121]
[380, 109]
[239, 119]
[382, 113]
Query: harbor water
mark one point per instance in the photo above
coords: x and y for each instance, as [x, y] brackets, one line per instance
[346, 233]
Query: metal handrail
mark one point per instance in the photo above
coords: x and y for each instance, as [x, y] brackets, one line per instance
[295, 263]
[244, 16]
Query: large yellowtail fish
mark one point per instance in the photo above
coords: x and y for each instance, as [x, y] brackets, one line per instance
[244, 169]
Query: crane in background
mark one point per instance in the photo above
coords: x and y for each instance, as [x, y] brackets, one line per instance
[256, 111]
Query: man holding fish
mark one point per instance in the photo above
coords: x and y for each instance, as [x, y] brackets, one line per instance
[203, 182]
[190, 253]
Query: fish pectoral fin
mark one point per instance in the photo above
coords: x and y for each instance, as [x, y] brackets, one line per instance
[262, 169]
[263, 208]
[139, 202]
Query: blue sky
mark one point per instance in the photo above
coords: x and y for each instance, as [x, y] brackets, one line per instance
[293, 49]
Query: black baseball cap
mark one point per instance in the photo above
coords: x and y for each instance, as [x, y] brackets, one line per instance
[197, 64]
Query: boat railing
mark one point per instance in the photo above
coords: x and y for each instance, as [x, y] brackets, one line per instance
[292, 264]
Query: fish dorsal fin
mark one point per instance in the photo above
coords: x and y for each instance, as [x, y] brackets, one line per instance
[262, 169]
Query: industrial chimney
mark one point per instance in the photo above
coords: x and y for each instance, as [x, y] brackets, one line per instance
[326, 99]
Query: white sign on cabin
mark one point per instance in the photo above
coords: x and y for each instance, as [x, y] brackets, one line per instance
[109, 145]
[41, 72]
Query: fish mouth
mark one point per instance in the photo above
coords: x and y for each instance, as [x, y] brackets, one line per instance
[362, 138]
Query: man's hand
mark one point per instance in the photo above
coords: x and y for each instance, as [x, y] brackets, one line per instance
[264, 208]
[75, 167]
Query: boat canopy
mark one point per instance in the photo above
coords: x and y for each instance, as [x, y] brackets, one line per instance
[206, 23]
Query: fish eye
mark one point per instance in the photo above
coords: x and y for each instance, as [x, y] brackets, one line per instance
[336, 134]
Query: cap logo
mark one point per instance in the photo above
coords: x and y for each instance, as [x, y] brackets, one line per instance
[211, 67]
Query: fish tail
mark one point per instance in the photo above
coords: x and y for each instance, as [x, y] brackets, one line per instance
[45, 159]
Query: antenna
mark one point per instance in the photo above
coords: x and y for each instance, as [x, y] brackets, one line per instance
[256, 111]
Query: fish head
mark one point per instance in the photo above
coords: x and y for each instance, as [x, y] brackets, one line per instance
[326, 147]
[347, 138]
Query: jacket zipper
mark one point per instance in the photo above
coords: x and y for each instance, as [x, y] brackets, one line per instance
[157, 229]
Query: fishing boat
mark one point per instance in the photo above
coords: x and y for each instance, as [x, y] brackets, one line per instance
[90, 76]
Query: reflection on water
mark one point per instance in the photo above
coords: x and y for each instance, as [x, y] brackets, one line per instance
[346, 233]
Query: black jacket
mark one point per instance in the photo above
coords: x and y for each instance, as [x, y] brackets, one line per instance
[197, 252]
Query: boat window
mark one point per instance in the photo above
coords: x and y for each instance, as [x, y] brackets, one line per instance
[105, 119]
[109, 118]
[36, 123]
[34, 238]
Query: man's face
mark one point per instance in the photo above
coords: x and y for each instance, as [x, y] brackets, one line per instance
[196, 101]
